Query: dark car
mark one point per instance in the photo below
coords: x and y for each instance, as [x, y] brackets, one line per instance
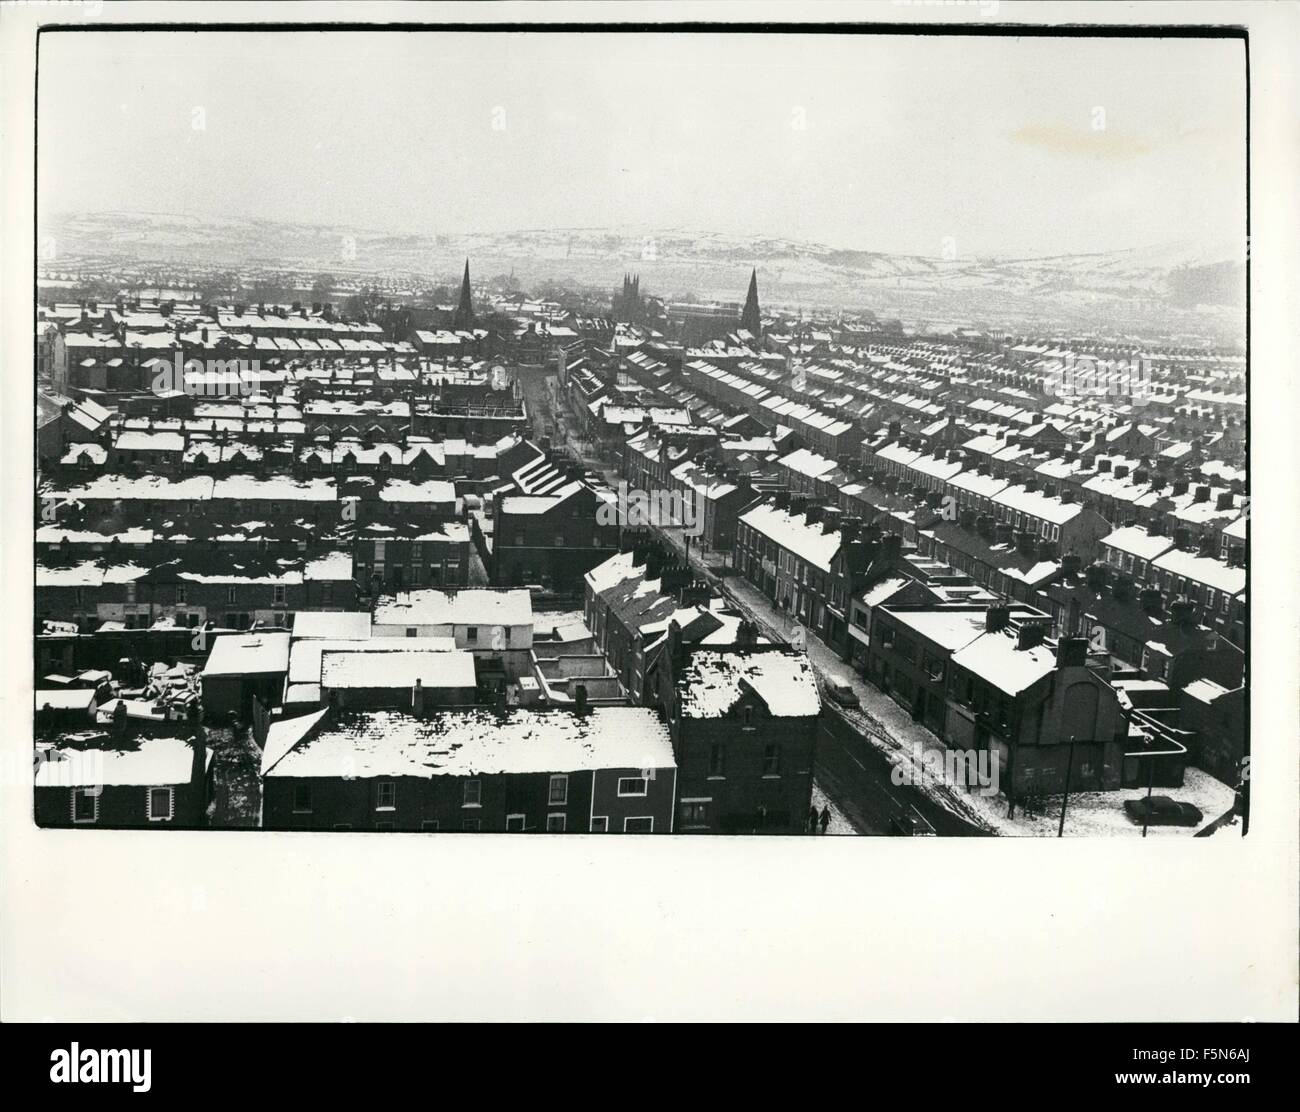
[1164, 812]
[843, 694]
[910, 826]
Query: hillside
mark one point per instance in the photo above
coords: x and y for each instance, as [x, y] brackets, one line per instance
[1170, 288]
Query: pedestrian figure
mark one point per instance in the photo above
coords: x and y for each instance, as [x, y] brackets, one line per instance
[811, 825]
[826, 817]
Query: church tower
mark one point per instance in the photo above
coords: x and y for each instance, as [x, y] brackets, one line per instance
[750, 320]
[465, 310]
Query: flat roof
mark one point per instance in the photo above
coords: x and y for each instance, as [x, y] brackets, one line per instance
[346, 625]
[252, 653]
[467, 607]
[342, 668]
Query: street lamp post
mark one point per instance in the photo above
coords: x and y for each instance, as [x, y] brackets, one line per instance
[1151, 775]
[1065, 799]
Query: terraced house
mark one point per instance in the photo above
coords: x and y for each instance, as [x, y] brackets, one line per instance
[744, 733]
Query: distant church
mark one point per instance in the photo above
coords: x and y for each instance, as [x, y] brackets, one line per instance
[629, 306]
[750, 318]
[464, 318]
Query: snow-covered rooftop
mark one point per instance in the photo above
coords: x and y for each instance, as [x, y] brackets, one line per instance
[344, 668]
[244, 654]
[347, 625]
[305, 656]
[995, 658]
[467, 607]
[467, 743]
[712, 682]
[1139, 542]
[948, 628]
[1202, 569]
[143, 762]
[792, 532]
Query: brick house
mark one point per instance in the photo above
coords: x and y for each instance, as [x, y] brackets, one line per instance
[1013, 694]
[145, 781]
[607, 770]
[551, 539]
[744, 728]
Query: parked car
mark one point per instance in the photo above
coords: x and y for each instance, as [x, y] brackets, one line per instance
[910, 826]
[1164, 812]
[843, 694]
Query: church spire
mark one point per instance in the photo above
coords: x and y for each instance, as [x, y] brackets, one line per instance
[750, 320]
[465, 310]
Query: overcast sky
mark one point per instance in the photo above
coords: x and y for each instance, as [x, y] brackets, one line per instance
[905, 141]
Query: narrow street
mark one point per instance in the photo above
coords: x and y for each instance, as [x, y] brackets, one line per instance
[853, 768]
[856, 775]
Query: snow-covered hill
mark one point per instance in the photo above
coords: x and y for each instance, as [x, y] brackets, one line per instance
[1160, 283]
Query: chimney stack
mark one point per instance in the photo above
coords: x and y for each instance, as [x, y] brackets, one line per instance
[996, 619]
[1072, 652]
[417, 699]
[1183, 612]
[580, 707]
[1030, 635]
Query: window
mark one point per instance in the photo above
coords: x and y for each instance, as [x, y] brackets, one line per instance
[559, 795]
[559, 540]
[470, 825]
[695, 814]
[160, 804]
[599, 824]
[771, 760]
[301, 798]
[386, 795]
[471, 634]
[181, 596]
[383, 826]
[717, 760]
[640, 825]
[230, 596]
[748, 715]
[632, 785]
[85, 805]
[429, 824]
[342, 826]
[555, 824]
[411, 631]
[277, 595]
[515, 823]
[473, 794]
